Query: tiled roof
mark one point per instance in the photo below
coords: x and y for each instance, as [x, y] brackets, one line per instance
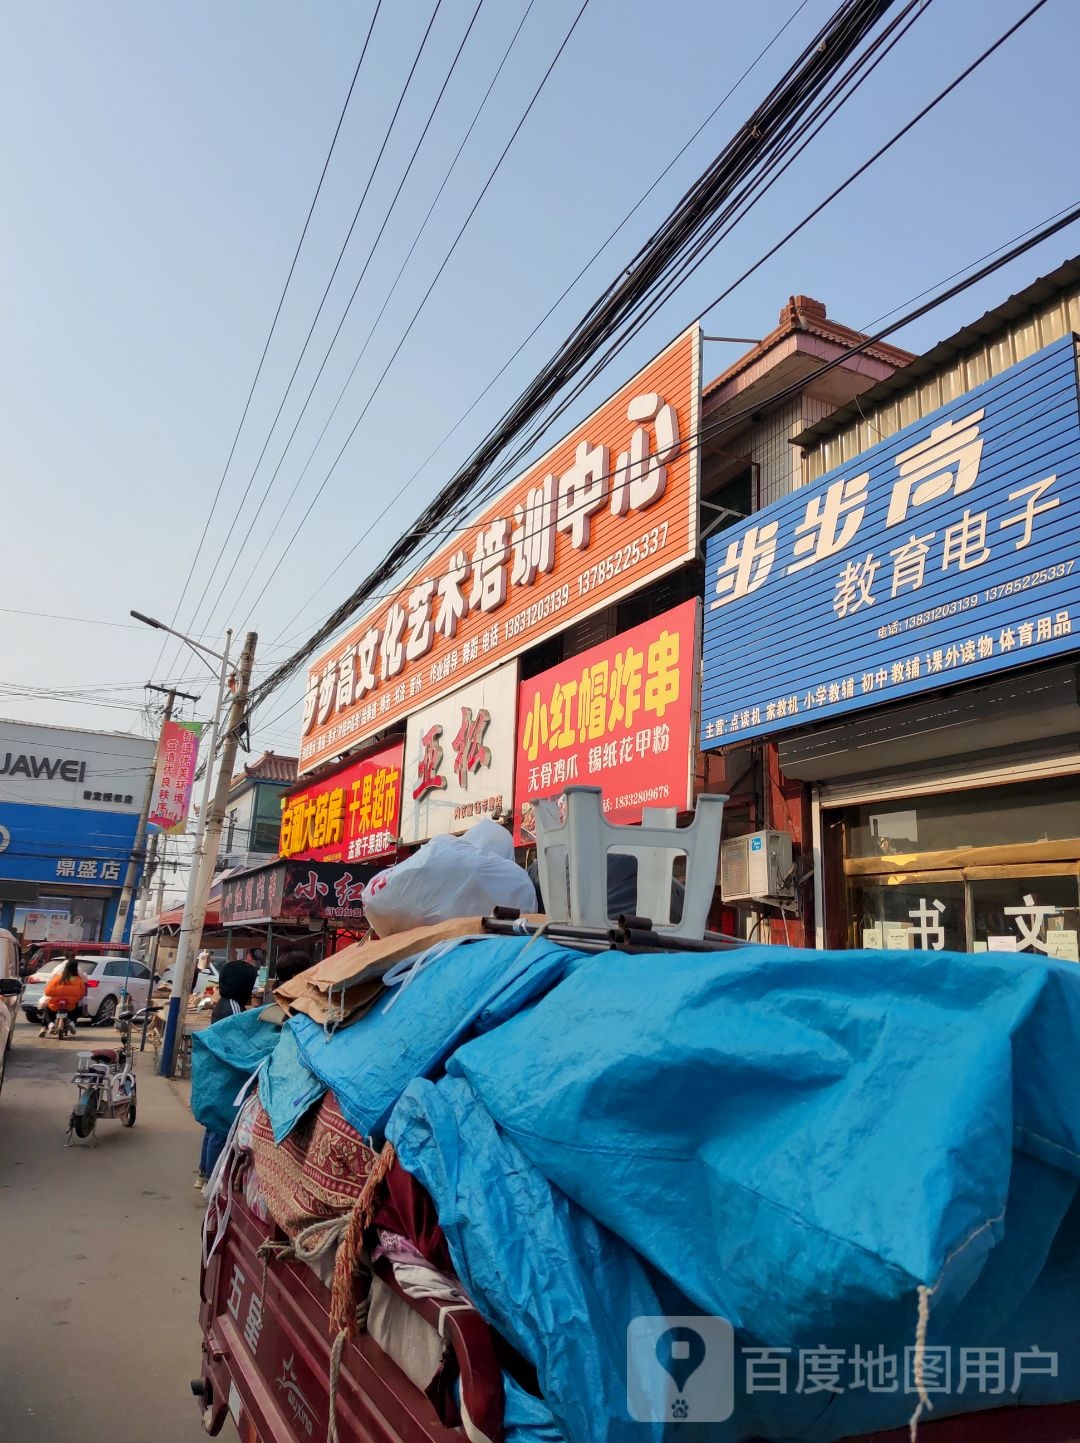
[267, 768]
[806, 315]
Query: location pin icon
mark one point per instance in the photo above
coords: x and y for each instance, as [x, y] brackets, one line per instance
[680, 1352]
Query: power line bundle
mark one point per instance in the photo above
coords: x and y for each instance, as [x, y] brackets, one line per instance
[767, 138]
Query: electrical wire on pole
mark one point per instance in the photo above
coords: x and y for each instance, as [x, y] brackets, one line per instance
[754, 144]
[1064, 220]
[522, 447]
[273, 328]
[318, 312]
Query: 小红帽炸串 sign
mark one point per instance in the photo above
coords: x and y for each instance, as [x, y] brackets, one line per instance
[608, 509]
[619, 716]
[946, 553]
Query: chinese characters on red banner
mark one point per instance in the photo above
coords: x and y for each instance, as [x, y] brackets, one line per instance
[608, 509]
[174, 777]
[618, 716]
[348, 817]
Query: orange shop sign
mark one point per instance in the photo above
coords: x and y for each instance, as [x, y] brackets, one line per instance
[619, 716]
[352, 816]
[607, 510]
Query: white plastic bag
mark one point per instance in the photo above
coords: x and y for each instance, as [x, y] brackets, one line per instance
[450, 877]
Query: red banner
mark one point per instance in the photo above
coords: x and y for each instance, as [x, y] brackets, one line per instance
[178, 753]
[619, 716]
[352, 816]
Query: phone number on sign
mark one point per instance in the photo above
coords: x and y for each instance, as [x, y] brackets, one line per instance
[538, 611]
[1035, 578]
[637, 799]
[938, 613]
[620, 561]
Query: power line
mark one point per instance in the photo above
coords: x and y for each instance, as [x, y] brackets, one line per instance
[692, 263]
[390, 293]
[319, 310]
[344, 315]
[724, 222]
[754, 145]
[270, 333]
[547, 314]
[424, 299]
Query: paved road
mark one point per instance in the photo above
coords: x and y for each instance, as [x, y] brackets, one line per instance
[99, 1260]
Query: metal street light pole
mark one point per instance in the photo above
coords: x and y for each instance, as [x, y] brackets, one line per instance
[179, 995]
[137, 858]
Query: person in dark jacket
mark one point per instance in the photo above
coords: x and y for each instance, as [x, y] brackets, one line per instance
[236, 983]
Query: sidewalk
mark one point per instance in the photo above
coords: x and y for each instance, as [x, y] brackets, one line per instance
[99, 1327]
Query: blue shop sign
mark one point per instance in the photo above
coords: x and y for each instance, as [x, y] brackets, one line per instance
[65, 845]
[947, 552]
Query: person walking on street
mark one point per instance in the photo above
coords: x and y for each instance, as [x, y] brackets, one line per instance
[236, 983]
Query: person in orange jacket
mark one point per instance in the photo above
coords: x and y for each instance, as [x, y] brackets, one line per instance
[66, 986]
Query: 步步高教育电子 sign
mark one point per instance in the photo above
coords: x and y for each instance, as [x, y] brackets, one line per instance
[945, 553]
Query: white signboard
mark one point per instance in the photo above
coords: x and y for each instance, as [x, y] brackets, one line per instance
[65, 767]
[459, 758]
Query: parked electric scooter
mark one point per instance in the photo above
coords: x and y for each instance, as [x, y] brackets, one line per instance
[106, 1082]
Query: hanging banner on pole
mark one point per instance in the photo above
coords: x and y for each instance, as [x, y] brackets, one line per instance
[178, 755]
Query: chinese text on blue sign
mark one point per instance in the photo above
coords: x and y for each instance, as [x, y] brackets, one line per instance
[947, 552]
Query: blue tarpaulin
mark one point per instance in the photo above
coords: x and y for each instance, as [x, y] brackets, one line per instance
[368, 1064]
[223, 1057]
[796, 1141]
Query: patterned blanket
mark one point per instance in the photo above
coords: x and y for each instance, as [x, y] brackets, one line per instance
[316, 1174]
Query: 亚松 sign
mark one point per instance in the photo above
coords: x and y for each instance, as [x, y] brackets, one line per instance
[619, 716]
[459, 758]
[608, 509]
[947, 552]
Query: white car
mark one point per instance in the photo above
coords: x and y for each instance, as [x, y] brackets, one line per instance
[104, 977]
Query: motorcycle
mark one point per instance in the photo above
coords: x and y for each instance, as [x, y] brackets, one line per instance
[106, 1082]
[63, 1022]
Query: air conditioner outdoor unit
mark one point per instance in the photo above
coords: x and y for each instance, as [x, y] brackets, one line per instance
[756, 866]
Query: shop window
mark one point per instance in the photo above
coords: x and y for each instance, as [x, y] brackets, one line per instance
[1027, 914]
[61, 919]
[922, 914]
[1025, 812]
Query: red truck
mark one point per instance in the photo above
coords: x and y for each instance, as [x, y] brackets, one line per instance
[268, 1358]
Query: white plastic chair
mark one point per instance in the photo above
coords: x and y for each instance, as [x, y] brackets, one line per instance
[572, 847]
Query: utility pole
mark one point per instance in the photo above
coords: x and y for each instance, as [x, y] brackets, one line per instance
[120, 920]
[202, 865]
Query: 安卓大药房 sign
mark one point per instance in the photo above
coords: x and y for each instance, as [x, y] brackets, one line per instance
[619, 716]
[948, 552]
[609, 508]
[350, 816]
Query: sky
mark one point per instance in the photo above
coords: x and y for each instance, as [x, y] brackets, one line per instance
[158, 163]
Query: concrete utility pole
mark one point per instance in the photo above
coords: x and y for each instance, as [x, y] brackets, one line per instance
[120, 920]
[202, 865]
